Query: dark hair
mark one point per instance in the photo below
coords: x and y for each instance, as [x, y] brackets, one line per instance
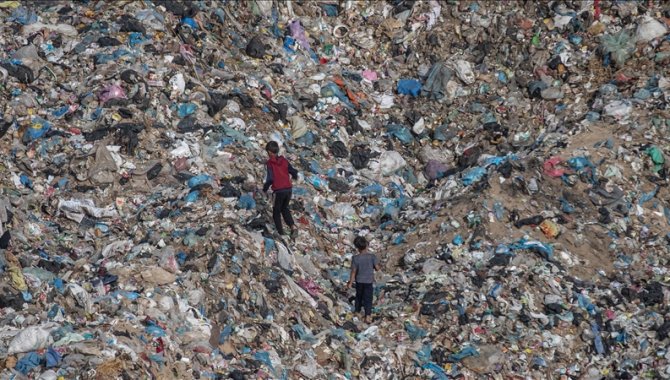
[272, 147]
[360, 243]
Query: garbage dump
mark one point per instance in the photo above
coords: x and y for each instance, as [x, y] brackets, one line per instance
[506, 161]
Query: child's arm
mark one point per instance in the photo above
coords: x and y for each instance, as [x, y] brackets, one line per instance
[292, 171]
[352, 275]
[268, 180]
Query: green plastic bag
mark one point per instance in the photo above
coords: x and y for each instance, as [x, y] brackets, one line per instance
[657, 157]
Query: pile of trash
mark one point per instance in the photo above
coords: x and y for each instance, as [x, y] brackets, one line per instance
[507, 161]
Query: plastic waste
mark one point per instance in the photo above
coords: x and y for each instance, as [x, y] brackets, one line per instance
[473, 175]
[649, 29]
[30, 339]
[505, 163]
[113, 91]
[390, 162]
[620, 45]
[409, 87]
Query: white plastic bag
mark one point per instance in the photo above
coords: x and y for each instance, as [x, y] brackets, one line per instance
[390, 161]
[30, 339]
[649, 29]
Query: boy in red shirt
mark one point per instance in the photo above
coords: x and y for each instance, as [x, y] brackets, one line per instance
[279, 174]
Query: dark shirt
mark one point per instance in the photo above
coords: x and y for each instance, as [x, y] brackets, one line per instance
[365, 267]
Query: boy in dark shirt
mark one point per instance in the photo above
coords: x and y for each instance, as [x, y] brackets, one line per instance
[279, 174]
[363, 266]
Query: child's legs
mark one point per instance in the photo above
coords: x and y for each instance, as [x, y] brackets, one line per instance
[359, 298]
[286, 211]
[368, 291]
[277, 212]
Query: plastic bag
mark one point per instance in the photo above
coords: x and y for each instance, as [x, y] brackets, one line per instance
[620, 46]
[550, 167]
[649, 29]
[374, 189]
[318, 182]
[656, 157]
[400, 132]
[409, 87]
[298, 126]
[199, 180]
[113, 91]
[390, 161]
[298, 33]
[30, 339]
[168, 261]
[37, 129]
[473, 175]
[246, 202]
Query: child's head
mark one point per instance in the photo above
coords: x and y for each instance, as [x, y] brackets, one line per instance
[360, 243]
[272, 148]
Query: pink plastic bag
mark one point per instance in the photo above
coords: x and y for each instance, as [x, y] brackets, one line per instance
[551, 167]
[113, 91]
[369, 75]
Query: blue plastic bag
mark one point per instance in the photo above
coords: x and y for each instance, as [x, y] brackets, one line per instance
[246, 202]
[473, 175]
[409, 87]
[225, 333]
[495, 160]
[264, 358]
[190, 22]
[155, 331]
[566, 207]
[374, 189]
[186, 109]
[400, 132]
[303, 334]
[25, 181]
[23, 16]
[423, 355]
[462, 354]
[545, 250]
[437, 371]
[38, 129]
[53, 358]
[579, 163]
[306, 140]
[399, 239]
[330, 9]
[28, 362]
[332, 90]
[645, 197]
[200, 179]
[414, 332]
[318, 182]
[192, 196]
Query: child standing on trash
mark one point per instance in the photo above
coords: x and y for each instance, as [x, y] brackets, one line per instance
[363, 267]
[279, 174]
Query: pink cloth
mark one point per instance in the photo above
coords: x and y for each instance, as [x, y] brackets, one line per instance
[551, 169]
[310, 287]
